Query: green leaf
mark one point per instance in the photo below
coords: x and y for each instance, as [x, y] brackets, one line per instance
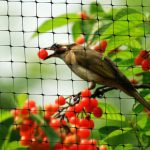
[136, 28]
[82, 27]
[139, 108]
[147, 27]
[130, 71]
[15, 135]
[124, 147]
[56, 22]
[120, 137]
[108, 129]
[7, 101]
[50, 133]
[144, 92]
[147, 133]
[118, 132]
[147, 97]
[21, 98]
[5, 131]
[96, 8]
[87, 27]
[111, 112]
[122, 55]
[98, 31]
[4, 115]
[146, 77]
[117, 41]
[22, 148]
[15, 146]
[142, 120]
[76, 30]
[122, 14]
[134, 43]
[119, 28]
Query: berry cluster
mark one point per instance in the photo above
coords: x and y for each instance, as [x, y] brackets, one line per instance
[30, 131]
[143, 59]
[69, 117]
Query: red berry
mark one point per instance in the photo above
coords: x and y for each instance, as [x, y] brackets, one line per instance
[58, 146]
[84, 123]
[84, 144]
[85, 102]
[30, 103]
[133, 81]
[45, 146]
[74, 120]
[138, 60]
[55, 123]
[103, 45]
[91, 124]
[83, 133]
[25, 111]
[25, 141]
[80, 40]
[93, 141]
[34, 144]
[147, 111]
[70, 112]
[97, 112]
[103, 147]
[146, 64]
[60, 101]
[94, 102]
[73, 147]
[54, 108]
[15, 112]
[34, 110]
[83, 15]
[144, 53]
[63, 122]
[70, 139]
[42, 54]
[86, 93]
[78, 107]
[89, 108]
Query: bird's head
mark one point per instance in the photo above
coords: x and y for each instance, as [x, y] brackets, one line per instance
[59, 50]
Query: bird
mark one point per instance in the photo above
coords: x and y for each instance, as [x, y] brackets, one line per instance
[95, 68]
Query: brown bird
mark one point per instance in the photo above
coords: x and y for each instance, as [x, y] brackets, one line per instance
[92, 67]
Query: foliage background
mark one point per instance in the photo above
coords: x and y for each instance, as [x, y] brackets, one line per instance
[24, 75]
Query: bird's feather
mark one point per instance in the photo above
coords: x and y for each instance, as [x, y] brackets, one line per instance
[103, 67]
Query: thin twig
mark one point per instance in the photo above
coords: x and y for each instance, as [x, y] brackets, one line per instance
[142, 86]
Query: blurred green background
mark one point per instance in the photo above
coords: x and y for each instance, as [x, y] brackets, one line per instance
[22, 72]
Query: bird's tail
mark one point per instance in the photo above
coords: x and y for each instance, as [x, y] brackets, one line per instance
[131, 91]
[141, 99]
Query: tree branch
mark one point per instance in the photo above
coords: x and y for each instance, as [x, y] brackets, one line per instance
[142, 86]
[100, 91]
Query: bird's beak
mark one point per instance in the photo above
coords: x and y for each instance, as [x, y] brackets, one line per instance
[51, 55]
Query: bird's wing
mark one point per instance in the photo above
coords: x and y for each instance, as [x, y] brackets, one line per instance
[104, 67]
[95, 63]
